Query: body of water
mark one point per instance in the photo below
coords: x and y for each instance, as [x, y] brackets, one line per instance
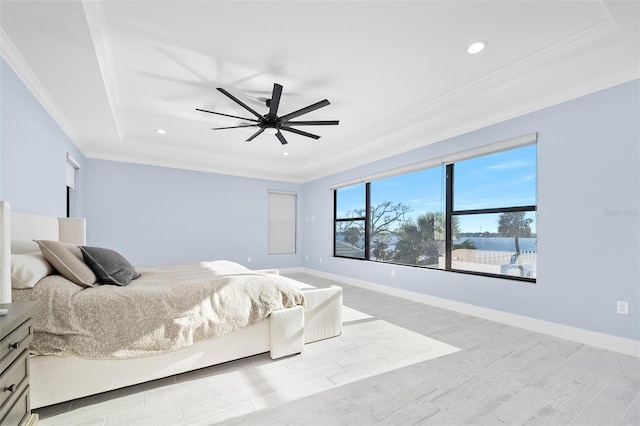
[500, 243]
[481, 243]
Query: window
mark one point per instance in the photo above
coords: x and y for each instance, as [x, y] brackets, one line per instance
[472, 215]
[72, 180]
[282, 222]
[407, 218]
[350, 221]
[493, 213]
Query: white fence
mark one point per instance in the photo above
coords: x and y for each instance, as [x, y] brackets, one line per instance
[495, 262]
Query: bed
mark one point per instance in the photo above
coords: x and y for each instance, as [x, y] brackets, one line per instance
[55, 379]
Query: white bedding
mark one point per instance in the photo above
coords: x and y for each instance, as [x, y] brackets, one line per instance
[169, 307]
[281, 334]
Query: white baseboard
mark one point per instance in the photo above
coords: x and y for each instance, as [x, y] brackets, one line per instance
[593, 338]
[294, 271]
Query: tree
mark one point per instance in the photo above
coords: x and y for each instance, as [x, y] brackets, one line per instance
[420, 241]
[352, 235]
[380, 250]
[385, 215]
[514, 224]
[385, 219]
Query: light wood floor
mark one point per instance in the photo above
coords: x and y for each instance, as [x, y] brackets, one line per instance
[500, 375]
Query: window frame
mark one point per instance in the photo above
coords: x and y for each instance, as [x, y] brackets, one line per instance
[449, 211]
[365, 219]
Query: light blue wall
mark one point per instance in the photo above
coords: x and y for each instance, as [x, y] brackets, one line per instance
[588, 224]
[588, 200]
[33, 152]
[156, 215]
[152, 214]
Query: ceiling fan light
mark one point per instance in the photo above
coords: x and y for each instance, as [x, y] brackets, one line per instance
[271, 130]
[477, 47]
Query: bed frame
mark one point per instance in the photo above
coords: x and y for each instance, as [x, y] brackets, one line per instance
[56, 379]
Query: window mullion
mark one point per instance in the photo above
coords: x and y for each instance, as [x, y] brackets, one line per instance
[448, 238]
[367, 222]
[335, 219]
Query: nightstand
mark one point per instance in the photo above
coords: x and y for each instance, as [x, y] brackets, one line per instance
[16, 332]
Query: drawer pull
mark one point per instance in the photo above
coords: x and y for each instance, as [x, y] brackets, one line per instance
[15, 345]
[11, 388]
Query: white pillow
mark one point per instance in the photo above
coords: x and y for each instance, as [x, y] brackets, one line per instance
[28, 269]
[23, 246]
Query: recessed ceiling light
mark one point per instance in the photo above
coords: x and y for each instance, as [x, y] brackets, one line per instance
[477, 47]
[161, 131]
[285, 153]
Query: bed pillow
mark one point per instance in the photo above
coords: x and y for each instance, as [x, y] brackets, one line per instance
[23, 246]
[27, 269]
[109, 266]
[67, 259]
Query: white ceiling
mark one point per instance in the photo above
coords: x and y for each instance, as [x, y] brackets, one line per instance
[397, 74]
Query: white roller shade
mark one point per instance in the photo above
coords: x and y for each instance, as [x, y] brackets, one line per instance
[282, 222]
[492, 148]
[72, 170]
[447, 159]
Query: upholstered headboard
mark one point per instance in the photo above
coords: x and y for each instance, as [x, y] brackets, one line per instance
[27, 227]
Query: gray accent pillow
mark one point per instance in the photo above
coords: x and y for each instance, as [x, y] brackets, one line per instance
[109, 266]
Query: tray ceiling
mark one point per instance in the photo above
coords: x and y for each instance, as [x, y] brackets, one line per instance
[397, 74]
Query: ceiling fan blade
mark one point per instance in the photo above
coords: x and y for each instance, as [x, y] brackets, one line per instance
[235, 127]
[275, 99]
[281, 138]
[313, 123]
[304, 110]
[226, 115]
[239, 102]
[255, 135]
[300, 132]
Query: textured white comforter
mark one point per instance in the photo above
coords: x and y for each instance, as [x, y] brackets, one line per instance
[167, 308]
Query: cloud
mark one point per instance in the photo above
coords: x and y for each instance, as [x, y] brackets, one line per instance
[510, 165]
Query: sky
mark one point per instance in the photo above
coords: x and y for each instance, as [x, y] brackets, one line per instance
[503, 179]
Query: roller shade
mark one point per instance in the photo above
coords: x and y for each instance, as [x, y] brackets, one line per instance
[447, 159]
[72, 170]
[282, 222]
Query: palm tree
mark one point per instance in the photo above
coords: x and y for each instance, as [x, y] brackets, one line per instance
[380, 250]
[419, 241]
[514, 224]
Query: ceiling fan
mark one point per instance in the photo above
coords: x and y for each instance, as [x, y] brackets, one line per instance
[271, 120]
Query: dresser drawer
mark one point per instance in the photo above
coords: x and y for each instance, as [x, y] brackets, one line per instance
[19, 412]
[13, 380]
[14, 343]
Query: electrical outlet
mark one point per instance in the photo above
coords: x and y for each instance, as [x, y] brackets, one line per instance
[320, 260]
[622, 307]
[393, 272]
[306, 258]
[248, 259]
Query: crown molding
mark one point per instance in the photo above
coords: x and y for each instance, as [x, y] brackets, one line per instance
[28, 77]
[179, 158]
[516, 71]
[97, 24]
